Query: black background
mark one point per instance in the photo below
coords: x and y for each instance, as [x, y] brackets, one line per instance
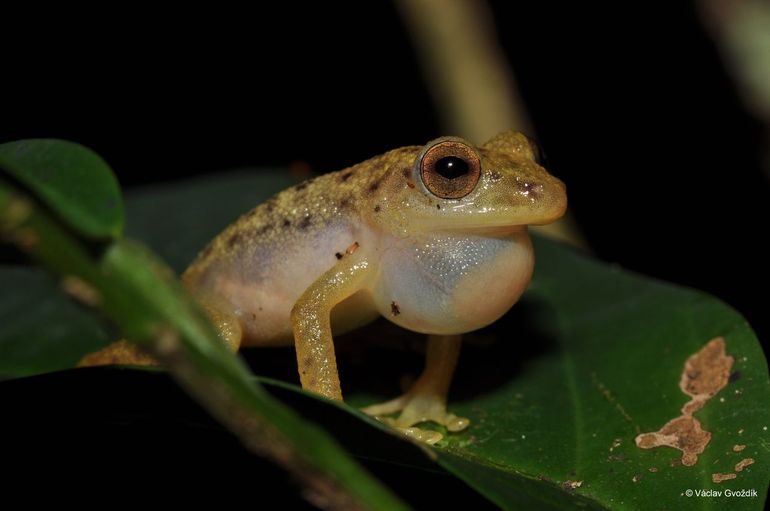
[632, 105]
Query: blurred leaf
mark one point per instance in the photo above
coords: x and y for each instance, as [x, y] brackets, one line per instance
[194, 211]
[70, 179]
[558, 389]
[136, 291]
[41, 329]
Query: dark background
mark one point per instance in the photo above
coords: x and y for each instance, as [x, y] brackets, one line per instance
[633, 106]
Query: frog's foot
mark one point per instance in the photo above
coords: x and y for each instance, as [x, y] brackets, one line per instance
[417, 407]
[118, 353]
[426, 400]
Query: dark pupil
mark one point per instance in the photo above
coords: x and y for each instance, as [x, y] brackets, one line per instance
[451, 167]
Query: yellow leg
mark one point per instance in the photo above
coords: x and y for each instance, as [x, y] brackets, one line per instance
[223, 318]
[426, 400]
[311, 323]
[118, 353]
[124, 352]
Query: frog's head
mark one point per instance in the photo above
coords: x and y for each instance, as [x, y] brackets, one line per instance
[498, 186]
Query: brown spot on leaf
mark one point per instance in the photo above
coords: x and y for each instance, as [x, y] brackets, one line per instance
[718, 478]
[395, 309]
[571, 485]
[738, 447]
[653, 469]
[636, 478]
[683, 433]
[705, 373]
[743, 464]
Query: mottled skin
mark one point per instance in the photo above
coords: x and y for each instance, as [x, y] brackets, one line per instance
[371, 240]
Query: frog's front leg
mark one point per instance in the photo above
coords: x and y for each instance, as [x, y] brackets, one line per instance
[426, 399]
[311, 323]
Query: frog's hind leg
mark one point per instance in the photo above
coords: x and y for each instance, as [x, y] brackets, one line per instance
[224, 319]
[124, 352]
[426, 400]
[120, 352]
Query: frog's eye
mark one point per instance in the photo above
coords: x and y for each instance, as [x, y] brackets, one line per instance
[450, 169]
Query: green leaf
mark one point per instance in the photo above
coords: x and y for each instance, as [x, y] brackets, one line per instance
[612, 350]
[557, 390]
[42, 329]
[135, 290]
[70, 179]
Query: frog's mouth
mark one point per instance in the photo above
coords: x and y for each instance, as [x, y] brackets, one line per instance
[502, 225]
[488, 231]
[529, 204]
[502, 231]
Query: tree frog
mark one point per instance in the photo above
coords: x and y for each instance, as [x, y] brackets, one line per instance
[433, 238]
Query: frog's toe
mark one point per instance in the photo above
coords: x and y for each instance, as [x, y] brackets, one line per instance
[454, 423]
[422, 435]
[425, 408]
[392, 406]
[118, 353]
[417, 408]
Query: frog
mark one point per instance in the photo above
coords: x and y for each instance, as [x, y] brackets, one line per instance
[433, 238]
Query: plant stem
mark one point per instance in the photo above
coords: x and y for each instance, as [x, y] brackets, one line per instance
[135, 290]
